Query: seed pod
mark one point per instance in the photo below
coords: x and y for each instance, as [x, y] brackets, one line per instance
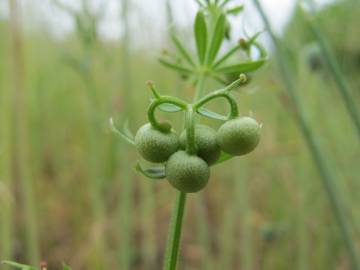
[154, 145]
[206, 143]
[187, 173]
[239, 136]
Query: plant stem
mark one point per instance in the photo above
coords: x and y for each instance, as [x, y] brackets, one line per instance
[200, 89]
[173, 244]
[6, 174]
[125, 215]
[327, 177]
[339, 77]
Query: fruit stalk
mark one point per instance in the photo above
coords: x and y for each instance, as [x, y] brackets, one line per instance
[174, 237]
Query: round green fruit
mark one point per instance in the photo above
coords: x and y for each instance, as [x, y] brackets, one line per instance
[239, 136]
[187, 173]
[206, 143]
[154, 145]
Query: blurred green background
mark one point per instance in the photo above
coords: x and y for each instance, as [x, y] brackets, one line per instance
[68, 190]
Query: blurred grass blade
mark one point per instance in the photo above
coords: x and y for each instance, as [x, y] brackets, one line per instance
[22, 146]
[152, 173]
[19, 265]
[343, 85]
[326, 175]
[200, 31]
[181, 49]
[217, 38]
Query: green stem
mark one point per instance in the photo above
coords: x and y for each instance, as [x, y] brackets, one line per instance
[190, 130]
[339, 77]
[173, 244]
[6, 175]
[327, 177]
[164, 127]
[200, 89]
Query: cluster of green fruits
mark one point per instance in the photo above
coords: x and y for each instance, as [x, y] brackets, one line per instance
[190, 172]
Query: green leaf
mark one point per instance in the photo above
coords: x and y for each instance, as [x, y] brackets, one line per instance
[124, 133]
[223, 157]
[228, 54]
[217, 38]
[182, 49]
[211, 114]
[152, 173]
[241, 68]
[66, 267]
[19, 265]
[177, 67]
[168, 107]
[235, 10]
[200, 31]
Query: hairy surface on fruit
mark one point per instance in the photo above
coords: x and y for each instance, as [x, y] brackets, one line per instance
[239, 136]
[206, 143]
[187, 173]
[154, 145]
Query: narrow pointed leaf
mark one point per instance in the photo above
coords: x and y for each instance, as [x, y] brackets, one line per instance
[19, 265]
[223, 157]
[211, 114]
[177, 67]
[124, 133]
[217, 38]
[168, 107]
[235, 10]
[181, 49]
[241, 68]
[226, 56]
[66, 267]
[152, 173]
[200, 31]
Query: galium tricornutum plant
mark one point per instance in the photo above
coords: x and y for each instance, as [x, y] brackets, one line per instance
[185, 159]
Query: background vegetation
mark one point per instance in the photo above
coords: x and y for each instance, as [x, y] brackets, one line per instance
[68, 192]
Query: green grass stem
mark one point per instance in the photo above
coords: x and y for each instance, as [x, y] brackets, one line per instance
[340, 80]
[327, 177]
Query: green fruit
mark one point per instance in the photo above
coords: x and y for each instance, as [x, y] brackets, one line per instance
[239, 136]
[206, 143]
[187, 173]
[154, 145]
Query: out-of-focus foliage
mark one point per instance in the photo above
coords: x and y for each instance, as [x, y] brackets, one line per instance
[266, 212]
[339, 22]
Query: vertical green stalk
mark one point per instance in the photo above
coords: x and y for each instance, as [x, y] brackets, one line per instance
[302, 232]
[327, 177]
[202, 225]
[21, 143]
[174, 236]
[230, 247]
[340, 80]
[6, 175]
[125, 216]
[149, 242]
